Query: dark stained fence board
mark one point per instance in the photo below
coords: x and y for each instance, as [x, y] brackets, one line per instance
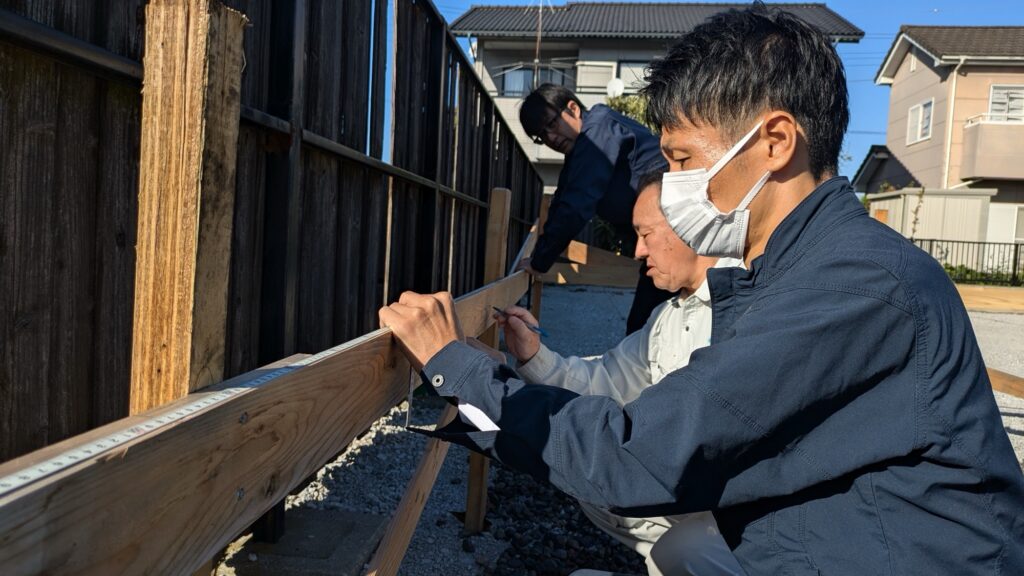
[73, 228]
[317, 257]
[114, 247]
[242, 350]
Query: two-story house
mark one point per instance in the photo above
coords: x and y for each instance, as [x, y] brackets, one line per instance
[584, 46]
[955, 138]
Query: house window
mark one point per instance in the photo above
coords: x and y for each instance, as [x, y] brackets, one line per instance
[1006, 104]
[517, 80]
[919, 122]
[632, 74]
[913, 61]
[1019, 235]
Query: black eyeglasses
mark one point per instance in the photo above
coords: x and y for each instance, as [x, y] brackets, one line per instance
[548, 127]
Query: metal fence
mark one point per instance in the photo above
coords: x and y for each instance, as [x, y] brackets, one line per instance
[978, 262]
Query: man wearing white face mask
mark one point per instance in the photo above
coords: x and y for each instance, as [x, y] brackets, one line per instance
[674, 545]
[842, 421]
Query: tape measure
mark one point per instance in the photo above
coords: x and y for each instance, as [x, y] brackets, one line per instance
[36, 472]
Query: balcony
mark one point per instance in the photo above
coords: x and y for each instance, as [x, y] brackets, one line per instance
[992, 147]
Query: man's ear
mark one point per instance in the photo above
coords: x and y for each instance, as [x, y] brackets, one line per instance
[573, 108]
[782, 135]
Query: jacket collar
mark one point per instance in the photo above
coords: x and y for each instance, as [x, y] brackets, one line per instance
[830, 204]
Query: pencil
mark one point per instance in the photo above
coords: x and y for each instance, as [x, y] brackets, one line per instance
[536, 329]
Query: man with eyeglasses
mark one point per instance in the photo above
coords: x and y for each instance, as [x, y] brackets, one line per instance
[605, 155]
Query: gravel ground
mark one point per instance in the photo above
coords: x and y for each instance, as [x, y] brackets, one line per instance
[535, 530]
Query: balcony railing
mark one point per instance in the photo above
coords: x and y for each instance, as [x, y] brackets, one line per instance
[1009, 118]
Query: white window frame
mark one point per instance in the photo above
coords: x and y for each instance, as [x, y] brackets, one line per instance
[913, 60]
[631, 87]
[991, 95]
[914, 115]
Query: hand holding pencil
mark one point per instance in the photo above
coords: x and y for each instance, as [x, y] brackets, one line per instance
[522, 334]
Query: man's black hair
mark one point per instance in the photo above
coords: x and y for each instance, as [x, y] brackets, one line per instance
[743, 62]
[648, 179]
[538, 107]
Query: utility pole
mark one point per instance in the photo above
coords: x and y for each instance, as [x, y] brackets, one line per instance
[536, 52]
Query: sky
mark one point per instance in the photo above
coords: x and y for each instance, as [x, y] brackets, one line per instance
[880, 21]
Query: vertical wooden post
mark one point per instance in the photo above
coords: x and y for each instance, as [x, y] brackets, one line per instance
[537, 286]
[190, 110]
[495, 256]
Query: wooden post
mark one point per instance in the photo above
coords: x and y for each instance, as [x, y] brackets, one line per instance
[190, 111]
[495, 255]
[536, 286]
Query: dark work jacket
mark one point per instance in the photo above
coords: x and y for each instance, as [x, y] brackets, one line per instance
[599, 176]
[841, 422]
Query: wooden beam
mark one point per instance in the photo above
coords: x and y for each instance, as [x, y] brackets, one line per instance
[1006, 383]
[611, 276]
[388, 557]
[537, 286]
[169, 500]
[590, 256]
[190, 110]
[495, 254]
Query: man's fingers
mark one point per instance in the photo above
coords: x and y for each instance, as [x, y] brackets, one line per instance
[522, 314]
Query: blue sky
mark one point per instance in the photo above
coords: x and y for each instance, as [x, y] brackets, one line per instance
[880, 20]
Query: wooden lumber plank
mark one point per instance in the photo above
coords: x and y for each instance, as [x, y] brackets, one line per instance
[537, 286]
[590, 256]
[495, 254]
[576, 274]
[169, 500]
[391, 550]
[1006, 383]
[190, 112]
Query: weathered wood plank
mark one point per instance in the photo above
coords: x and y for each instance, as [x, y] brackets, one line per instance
[73, 229]
[318, 256]
[190, 115]
[28, 117]
[116, 210]
[171, 499]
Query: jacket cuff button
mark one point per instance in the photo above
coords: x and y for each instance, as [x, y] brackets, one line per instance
[437, 381]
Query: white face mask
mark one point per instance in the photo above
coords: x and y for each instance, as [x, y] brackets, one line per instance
[684, 200]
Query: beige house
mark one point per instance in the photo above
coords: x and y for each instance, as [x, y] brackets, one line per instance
[956, 129]
[585, 46]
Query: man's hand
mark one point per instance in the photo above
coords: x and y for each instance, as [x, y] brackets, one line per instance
[522, 342]
[524, 264]
[423, 324]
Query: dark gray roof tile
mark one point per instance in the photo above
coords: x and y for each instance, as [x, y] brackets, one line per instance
[945, 41]
[627, 20]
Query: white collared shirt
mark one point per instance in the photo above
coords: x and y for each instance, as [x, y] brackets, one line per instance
[675, 329]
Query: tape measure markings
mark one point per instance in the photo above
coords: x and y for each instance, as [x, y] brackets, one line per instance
[74, 456]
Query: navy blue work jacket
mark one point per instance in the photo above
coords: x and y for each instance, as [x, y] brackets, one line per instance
[599, 176]
[841, 422]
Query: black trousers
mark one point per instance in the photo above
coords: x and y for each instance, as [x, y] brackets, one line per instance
[647, 298]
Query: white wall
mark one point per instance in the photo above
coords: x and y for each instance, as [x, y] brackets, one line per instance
[1002, 223]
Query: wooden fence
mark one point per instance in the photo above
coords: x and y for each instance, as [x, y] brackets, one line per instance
[326, 224]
